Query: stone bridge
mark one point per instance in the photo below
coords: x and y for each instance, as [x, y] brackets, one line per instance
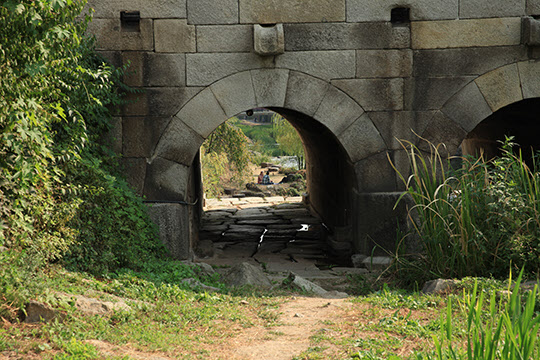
[352, 76]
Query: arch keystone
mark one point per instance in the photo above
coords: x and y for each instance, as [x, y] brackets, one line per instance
[235, 93]
[501, 86]
[270, 86]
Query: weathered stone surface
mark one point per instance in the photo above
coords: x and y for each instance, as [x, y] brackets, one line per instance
[204, 69]
[305, 93]
[468, 107]
[500, 87]
[39, 312]
[113, 138]
[141, 135]
[197, 285]
[343, 36]
[134, 169]
[212, 12]
[247, 274]
[375, 174]
[357, 261]
[529, 72]
[111, 57]
[383, 63]
[173, 223]
[235, 93]
[400, 125]
[270, 86]
[232, 38]
[337, 111]
[361, 11]
[362, 139]
[374, 94]
[471, 61]
[466, 33]
[423, 93]
[291, 11]
[268, 40]
[148, 9]
[438, 286]
[204, 249]
[134, 61]
[164, 70]
[442, 130]
[377, 262]
[166, 180]
[488, 9]
[401, 162]
[533, 7]
[109, 35]
[179, 143]
[203, 113]
[93, 306]
[323, 64]
[158, 101]
[174, 36]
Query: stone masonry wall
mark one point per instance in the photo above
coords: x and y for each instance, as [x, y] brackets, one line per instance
[422, 76]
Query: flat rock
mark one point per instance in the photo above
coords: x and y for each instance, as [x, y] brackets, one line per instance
[247, 274]
[39, 312]
[377, 262]
[437, 286]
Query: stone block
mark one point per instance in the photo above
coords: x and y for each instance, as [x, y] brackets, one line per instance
[179, 143]
[363, 11]
[230, 38]
[442, 130]
[467, 61]
[203, 113]
[533, 7]
[500, 87]
[134, 74]
[337, 111]
[375, 173]
[383, 63]
[323, 64]
[270, 86]
[401, 125]
[113, 137]
[268, 40]
[374, 94]
[465, 33]
[402, 165]
[172, 221]
[158, 101]
[166, 180]
[204, 69]
[109, 35]
[149, 9]
[141, 134]
[491, 9]
[134, 170]
[212, 12]
[305, 93]
[468, 107]
[136, 104]
[362, 139]
[291, 11]
[235, 93]
[529, 72]
[340, 36]
[174, 36]
[430, 93]
[164, 70]
[111, 57]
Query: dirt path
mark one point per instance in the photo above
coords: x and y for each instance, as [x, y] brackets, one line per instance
[299, 319]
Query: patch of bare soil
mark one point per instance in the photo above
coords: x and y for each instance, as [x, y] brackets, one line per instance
[299, 319]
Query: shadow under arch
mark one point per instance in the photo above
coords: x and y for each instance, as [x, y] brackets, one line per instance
[337, 133]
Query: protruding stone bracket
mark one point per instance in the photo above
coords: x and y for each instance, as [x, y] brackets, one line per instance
[268, 39]
[530, 31]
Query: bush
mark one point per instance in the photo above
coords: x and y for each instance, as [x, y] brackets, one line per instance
[481, 220]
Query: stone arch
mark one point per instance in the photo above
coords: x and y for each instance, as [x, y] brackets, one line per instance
[277, 89]
[481, 98]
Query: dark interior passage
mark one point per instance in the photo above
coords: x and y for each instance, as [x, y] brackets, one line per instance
[521, 120]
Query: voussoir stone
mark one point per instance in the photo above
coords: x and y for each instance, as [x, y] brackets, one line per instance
[235, 93]
[291, 11]
[501, 87]
[431, 93]
[468, 107]
[529, 73]
[166, 180]
[362, 139]
[305, 93]
[466, 33]
[396, 126]
[337, 111]
[179, 143]
[270, 86]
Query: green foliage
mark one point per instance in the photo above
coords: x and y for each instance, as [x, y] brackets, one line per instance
[288, 139]
[58, 194]
[226, 149]
[480, 220]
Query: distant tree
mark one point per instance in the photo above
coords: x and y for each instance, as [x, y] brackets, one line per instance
[288, 139]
